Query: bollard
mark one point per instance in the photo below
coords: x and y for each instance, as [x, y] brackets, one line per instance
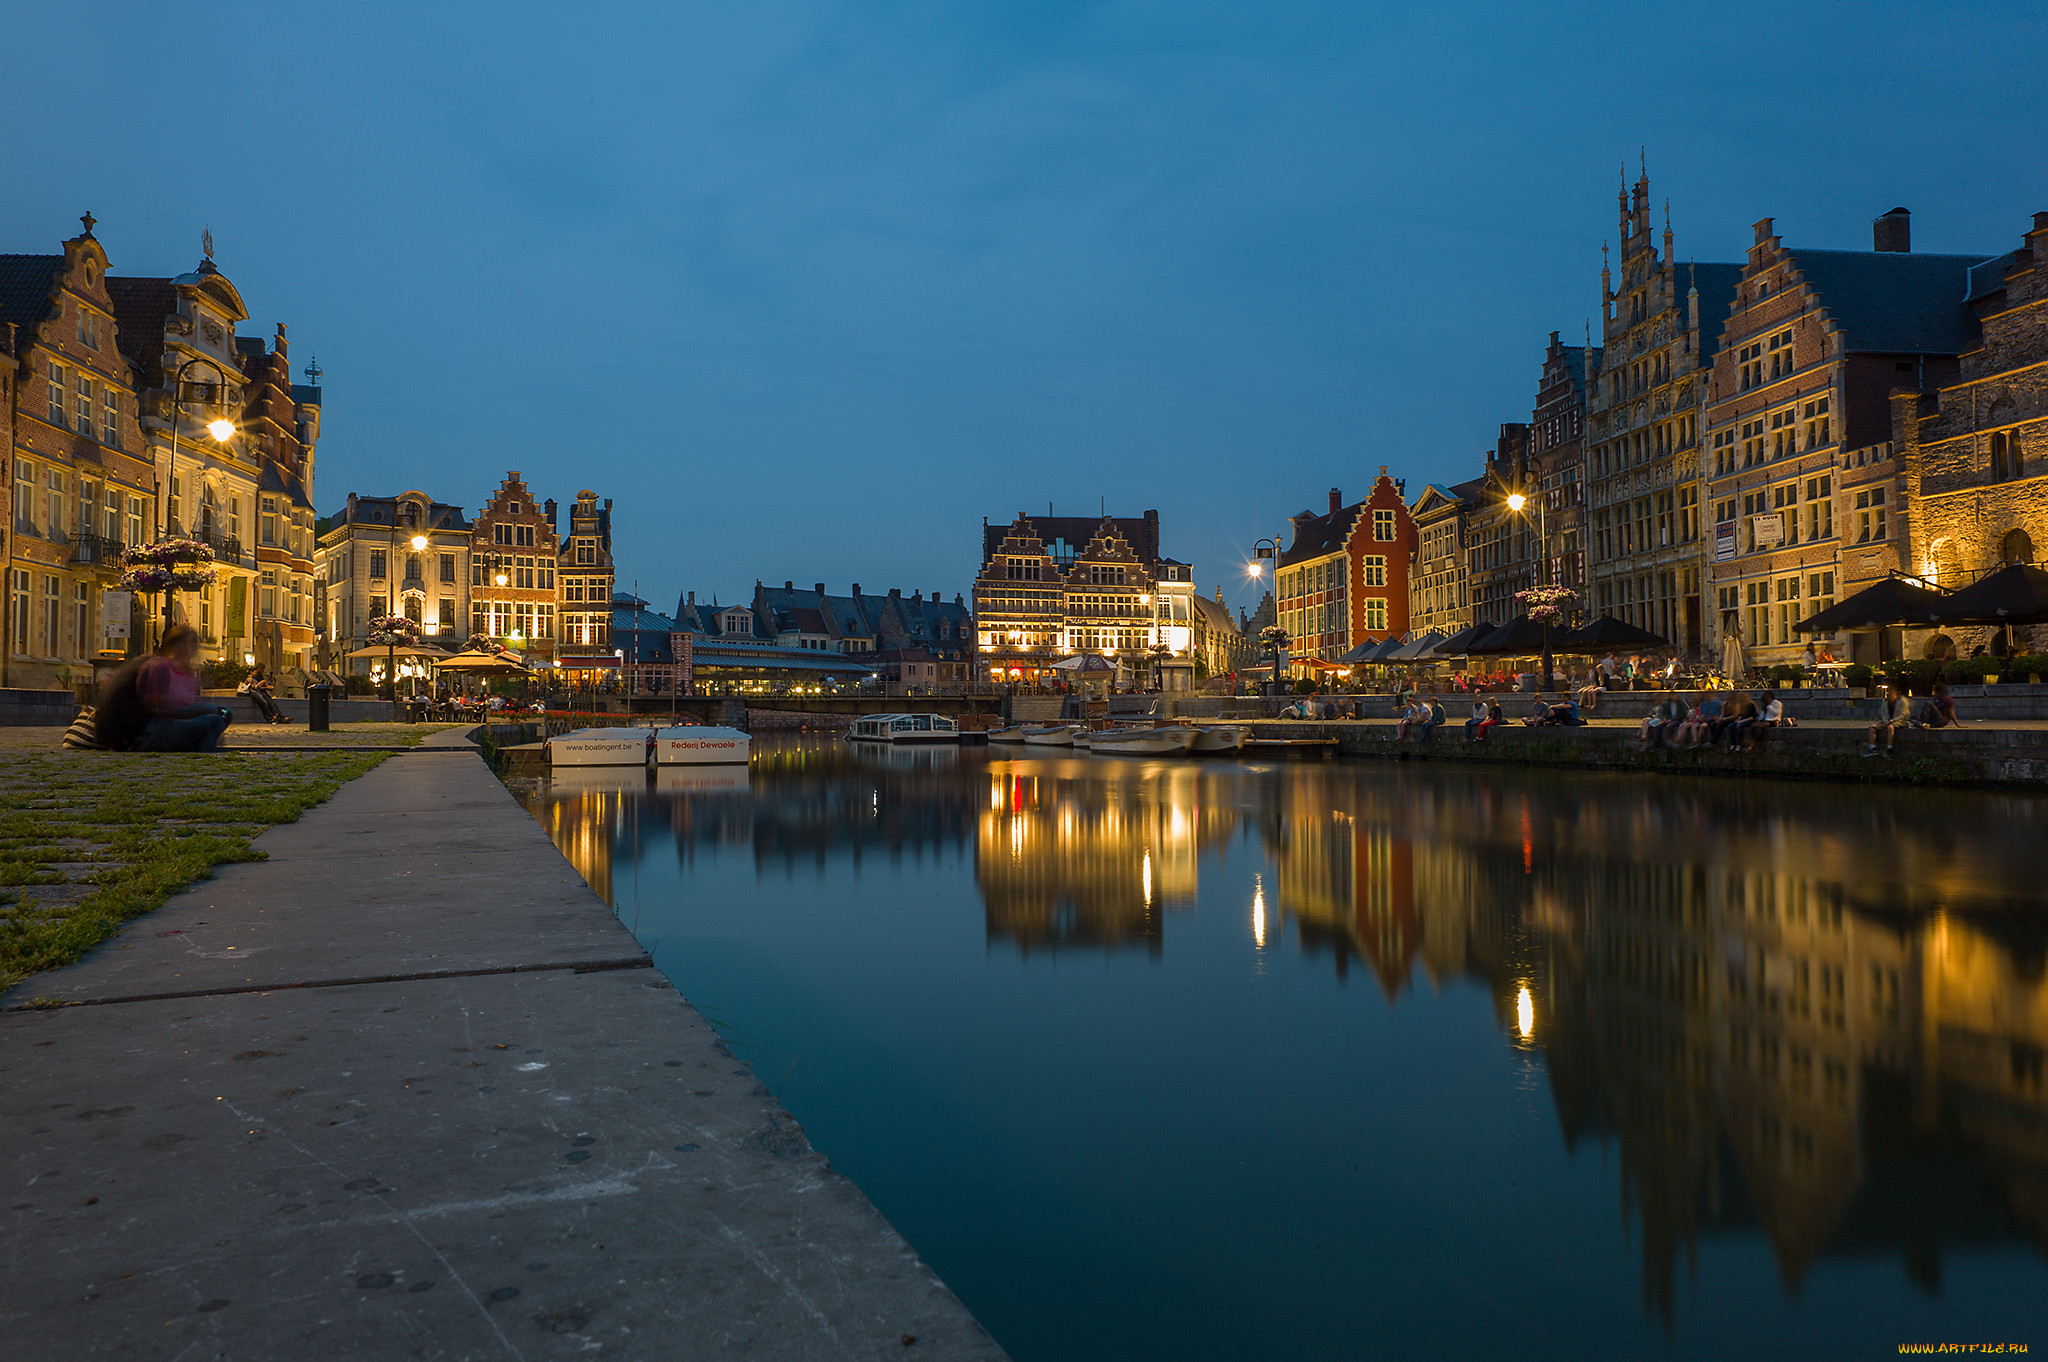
[316, 708]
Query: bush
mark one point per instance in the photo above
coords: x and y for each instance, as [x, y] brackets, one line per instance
[2028, 664]
[1786, 672]
[226, 674]
[1857, 674]
[1916, 676]
[1304, 687]
[357, 685]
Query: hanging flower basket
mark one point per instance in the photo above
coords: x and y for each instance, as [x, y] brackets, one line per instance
[169, 553]
[151, 579]
[482, 643]
[393, 631]
[1274, 638]
[1547, 604]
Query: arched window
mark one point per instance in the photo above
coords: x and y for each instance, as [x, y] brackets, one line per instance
[1940, 648]
[1998, 457]
[2016, 547]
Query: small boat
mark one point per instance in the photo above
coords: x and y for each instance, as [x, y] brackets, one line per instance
[1053, 735]
[1169, 741]
[1013, 734]
[904, 728]
[701, 745]
[1220, 738]
[600, 747]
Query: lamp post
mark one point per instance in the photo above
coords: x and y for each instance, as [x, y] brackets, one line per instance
[1518, 504]
[221, 429]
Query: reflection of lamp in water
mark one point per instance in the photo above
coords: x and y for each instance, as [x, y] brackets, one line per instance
[1258, 913]
[1525, 1012]
[1148, 879]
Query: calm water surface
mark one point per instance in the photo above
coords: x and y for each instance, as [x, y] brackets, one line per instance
[1185, 1060]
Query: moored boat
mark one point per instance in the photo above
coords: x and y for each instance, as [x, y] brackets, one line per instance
[701, 745]
[1053, 735]
[1170, 741]
[894, 728]
[1014, 734]
[1219, 738]
[600, 747]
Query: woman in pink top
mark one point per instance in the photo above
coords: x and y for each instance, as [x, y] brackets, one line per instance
[169, 690]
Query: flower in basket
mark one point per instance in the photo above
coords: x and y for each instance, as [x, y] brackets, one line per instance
[1547, 604]
[482, 643]
[1274, 637]
[169, 553]
[166, 577]
[393, 631]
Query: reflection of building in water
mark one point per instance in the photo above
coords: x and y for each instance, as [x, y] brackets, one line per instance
[1347, 877]
[1086, 862]
[1769, 1017]
[587, 813]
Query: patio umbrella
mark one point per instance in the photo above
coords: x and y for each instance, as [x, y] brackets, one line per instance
[1386, 648]
[482, 664]
[1519, 637]
[1362, 653]
[1895, 600]
[2015, 594]
[1417, 649]
[377, 653]
[1731, 656]
[1608, 632]
[1460, 643]
[1083, 663]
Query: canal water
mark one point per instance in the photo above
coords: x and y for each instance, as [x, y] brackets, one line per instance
[1209, 1059]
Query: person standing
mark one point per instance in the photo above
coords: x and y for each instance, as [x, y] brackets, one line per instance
[169, 690]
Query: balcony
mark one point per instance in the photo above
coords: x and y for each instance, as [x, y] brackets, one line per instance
[226, 548]
[96, 551]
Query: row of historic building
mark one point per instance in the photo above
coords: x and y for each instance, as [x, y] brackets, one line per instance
[137, 414]
[514, 573]
[1053, 588]
[1750, 441]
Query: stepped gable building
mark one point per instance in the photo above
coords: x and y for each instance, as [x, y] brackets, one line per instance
[586, 578]
[1557, 464]
[1437, 584]
[407, 555]
[1799, 426]
[1500, 554]
[1971, 456]
[1343, 578]
[1055, 587]
[514, 557]
[77, 456]
[1646, 398]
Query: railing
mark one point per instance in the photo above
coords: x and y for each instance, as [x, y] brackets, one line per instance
[96, 549]
[223, 545]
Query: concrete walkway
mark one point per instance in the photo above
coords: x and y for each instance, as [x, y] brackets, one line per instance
[408, 1090]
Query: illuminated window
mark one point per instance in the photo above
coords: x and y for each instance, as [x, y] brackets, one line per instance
[1375, 612]
[1383, 526]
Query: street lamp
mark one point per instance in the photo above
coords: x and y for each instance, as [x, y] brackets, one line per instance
[1517, 504]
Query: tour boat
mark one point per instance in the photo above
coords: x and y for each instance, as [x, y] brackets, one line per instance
[1170, 741]
[600, 747]
[1220, 738]
[1053, 735]
[1014, 734]
[904, 728]
[701, 745]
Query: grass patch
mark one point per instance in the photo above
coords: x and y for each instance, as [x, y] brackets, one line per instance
[108, 836]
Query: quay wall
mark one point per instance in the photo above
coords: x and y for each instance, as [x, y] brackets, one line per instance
[1979, 756]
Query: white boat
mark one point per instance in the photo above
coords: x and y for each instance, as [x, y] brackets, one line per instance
[701, 745]
[1013, 734]
[1053, 735]
[1220, 738]
[904, 728]
[1142, 742]
[600, 747]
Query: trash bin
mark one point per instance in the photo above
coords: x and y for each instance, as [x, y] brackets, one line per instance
[316, 708]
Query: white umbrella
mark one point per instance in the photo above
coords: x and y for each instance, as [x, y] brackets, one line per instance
[1731, 656]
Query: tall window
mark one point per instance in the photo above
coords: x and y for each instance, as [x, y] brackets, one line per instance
[1788, 606]
[1870, 510]
[376, 565]
[1820, 588]
[1998, 473]
[267, 525]
[1820, 507]
[58, 379]
[81, 610]
[18, 580]
[1383, 526]
[134, 520]
[1375, 612]
[24, 495]
[448, 571]
[1375, 570]
[53, 616]
[54, 481]
[110, 415]
[81, 397]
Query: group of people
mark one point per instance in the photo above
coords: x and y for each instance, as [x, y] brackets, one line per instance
[1708, 720]
[1897, 715]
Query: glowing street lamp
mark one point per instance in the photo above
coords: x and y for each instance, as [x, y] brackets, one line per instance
[222, 430]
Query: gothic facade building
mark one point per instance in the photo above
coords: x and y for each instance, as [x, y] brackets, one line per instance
[1646, 403]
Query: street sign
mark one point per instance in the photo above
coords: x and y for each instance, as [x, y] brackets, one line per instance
[1724, 541]
[114, 609]
[1767, 531]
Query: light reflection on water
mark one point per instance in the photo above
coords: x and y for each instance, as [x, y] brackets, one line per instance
[1673, 1066]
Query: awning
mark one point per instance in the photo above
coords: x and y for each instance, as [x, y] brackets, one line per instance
[1606, 632]
[1519, 637]
[1084, 662]
[1418, 649]
[1460, 643]
[1895, 600]
[2014, 594]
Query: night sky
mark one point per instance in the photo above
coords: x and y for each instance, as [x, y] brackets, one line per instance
[810, 288]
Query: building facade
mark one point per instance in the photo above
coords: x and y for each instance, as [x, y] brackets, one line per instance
[1343, 578]
[1556, 495]
[407, 555]
[1971, 457]
[515, 555]
[1814, 345]
[1646, 402]
[1053, 588]
[586, 579]
[1500, 542]
[1220, 646]
[1437, 584]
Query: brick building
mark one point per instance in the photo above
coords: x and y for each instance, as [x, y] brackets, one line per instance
[1971, 458]
[586, 578]
[1814, 344]
[1646, 404]
[1500, 542]
[515, 554]
[1343, 577]
[1556, 491]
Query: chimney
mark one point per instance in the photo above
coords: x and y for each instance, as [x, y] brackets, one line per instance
[693, 600]
[1336, 501]
[856, 590]
[819, 587]
[550, 508]
[788, 585]
[1892, 232]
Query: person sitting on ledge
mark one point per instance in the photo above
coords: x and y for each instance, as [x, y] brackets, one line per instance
[1741, 720]
[1892, 716]
[1940, 711]
[169, 690]
[1665, 721]
[1413, 714]
[1565, 714]
[1539, 714]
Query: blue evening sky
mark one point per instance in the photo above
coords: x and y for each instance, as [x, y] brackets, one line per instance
[810, 289]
